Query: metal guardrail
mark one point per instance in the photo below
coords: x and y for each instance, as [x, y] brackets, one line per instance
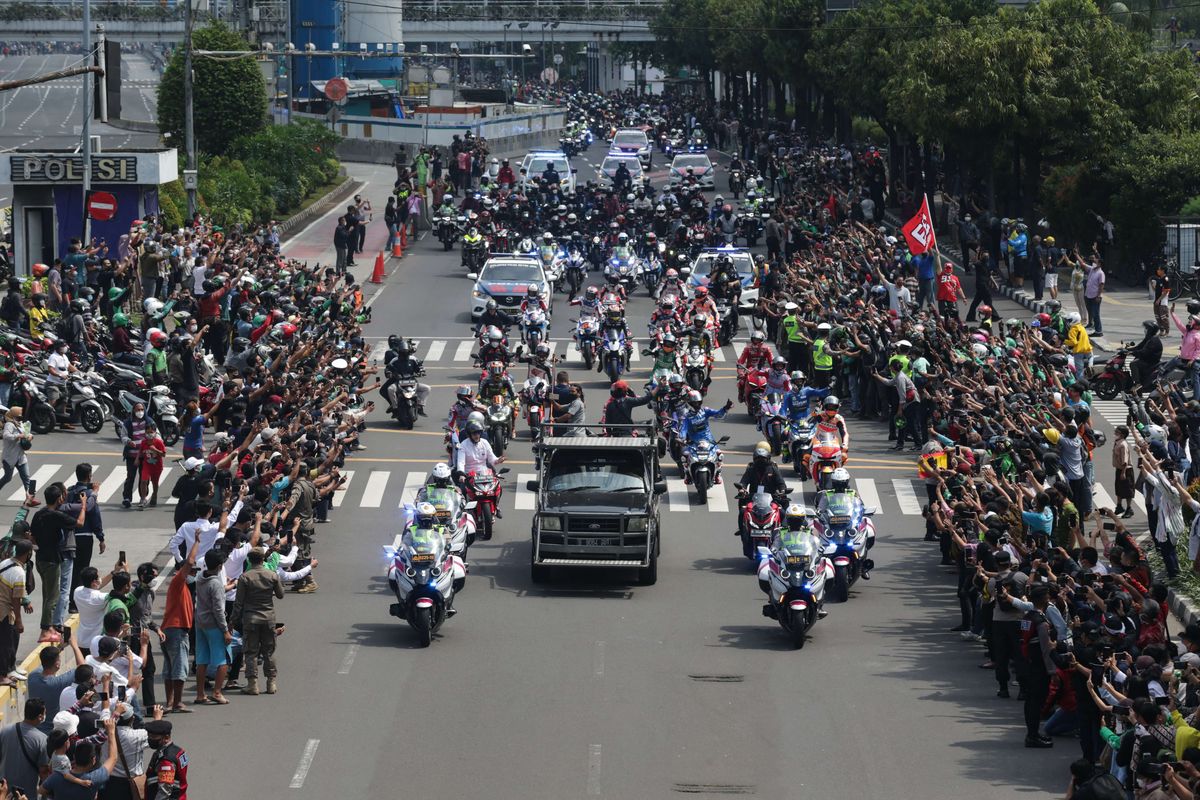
[532, 10]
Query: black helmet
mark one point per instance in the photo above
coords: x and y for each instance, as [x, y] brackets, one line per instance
[240, 344]
[473, 428]
[1150, 326]
[79, 306]
[394, 342]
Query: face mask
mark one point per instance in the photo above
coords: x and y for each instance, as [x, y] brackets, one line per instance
[139, 414]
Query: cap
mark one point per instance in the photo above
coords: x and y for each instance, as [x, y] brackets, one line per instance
[1113, 625]
[790, 306]
[158, 727]
[1191, 633]
[1003, 556]
[193, 463]
[66, 721]
[108, 645]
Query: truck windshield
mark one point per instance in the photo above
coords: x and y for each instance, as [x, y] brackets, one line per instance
[579, 470]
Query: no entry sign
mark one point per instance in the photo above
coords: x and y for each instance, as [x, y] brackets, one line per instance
[101, 206]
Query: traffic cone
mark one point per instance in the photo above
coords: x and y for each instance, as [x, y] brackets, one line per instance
[397, 249]
[403, 237]
[377, 275]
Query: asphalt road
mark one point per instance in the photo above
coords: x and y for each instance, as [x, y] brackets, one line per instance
[50, 115]
[596, 687]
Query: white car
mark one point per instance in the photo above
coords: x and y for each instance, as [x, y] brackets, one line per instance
[634, 142]
[698, 165]
[535, 162]
[612, 161]
[506, 278]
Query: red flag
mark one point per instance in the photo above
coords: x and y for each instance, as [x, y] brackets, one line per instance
[918, 231]
[831, 205]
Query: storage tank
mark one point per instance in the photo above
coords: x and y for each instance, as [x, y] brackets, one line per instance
[316, 22]
[374, 25]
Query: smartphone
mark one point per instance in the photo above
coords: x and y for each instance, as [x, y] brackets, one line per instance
[1110, 526]
[121, 557]
[1120, 711]
[121, 693]
[67, 633]
[103, 696]
[1162, 701]
[33, 487]
[1180, 666]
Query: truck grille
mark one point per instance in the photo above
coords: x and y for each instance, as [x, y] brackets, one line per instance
[593, 525]
[590, 562]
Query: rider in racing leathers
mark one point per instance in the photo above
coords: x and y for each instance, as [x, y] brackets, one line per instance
[755, 356]
[694, 427]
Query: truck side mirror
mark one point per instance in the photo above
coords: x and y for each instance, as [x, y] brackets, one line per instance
[531, 486]
[660, 487]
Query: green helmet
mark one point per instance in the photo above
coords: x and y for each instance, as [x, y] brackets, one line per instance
[114, 293]
[259, 319]
[120, 320]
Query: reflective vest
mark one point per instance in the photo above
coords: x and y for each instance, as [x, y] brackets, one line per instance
[791, 326]
[903, 361]
[821, 359]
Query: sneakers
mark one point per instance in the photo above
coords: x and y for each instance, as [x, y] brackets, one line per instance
[142, 504]
[971, 636]
[1128, 513]
[960, 629]
[866, 575]
[822, 613]
[1039, 742]
[126, 503]
[499, 513]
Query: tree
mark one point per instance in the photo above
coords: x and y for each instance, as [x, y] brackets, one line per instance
[229, 93]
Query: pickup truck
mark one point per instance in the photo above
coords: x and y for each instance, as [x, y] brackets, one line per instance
[597, 504]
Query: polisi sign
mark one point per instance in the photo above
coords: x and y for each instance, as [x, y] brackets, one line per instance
[69, 169]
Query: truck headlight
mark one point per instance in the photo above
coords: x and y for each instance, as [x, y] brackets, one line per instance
[550, 523]
[637, 524]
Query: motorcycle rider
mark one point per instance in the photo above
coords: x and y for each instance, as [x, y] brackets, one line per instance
[77, 332]
[614, 319]
[471, 239]
[58, 370]
[666, 357]
[589, 303]
[839, 485]
[1146, 354]
[761, 471]
[702, 304]
[777, 376]
[534, 299]
[670, 279]
[622, 251]
[122, 346]
[829, 417]
[694, 427]
[474, 454]
[622, 180]
[613, 291]
[665, 312]
[464, 406]
[715, 210]
[698, 335]
[796, 533]
[754, 356]
[492, 316]
[439, 478]
[619, 408]
[726, 224]
[399, 364]
[493, 348]
[156, 359]
[550, 177]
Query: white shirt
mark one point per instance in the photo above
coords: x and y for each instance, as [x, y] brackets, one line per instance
[235, 565]
[58, 366]
[198, 273]
[118, 668]
[90, 603]
[209, 531]
[472, 457]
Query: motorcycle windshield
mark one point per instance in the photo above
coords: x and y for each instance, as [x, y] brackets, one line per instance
[828, 440]
[440, 496]
[612, 336]
[425, 546]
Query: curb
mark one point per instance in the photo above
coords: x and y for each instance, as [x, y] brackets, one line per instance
[297, 222]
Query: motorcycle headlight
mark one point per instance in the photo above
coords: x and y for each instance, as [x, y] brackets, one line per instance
[637, 524]
[550, 522]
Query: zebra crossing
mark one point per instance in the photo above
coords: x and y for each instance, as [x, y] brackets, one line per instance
[458, 351]
[1115, 412]
[384, 489]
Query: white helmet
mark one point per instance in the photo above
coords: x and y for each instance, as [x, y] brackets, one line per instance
[152, 306]
[441, 470]
[839, 479]
[1073, 317]
[425, 515]
[979, 349]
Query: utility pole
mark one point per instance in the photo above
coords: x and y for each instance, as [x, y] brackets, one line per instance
[88, 83]
[189, 131]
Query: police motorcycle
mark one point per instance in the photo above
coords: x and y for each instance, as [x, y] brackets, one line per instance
[793, 571]
[846, 532]
[424, 575]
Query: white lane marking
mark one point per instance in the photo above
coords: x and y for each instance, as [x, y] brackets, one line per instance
[373, 494]
[162, 483]
[340, 494]
[463, 351]
[593, 776]
[635, 354]
[397, 541]
[598, 660]
[412, 482]
[906, 496]
[377, 351]
[553, 346]
[1101, 497]
[718, 502]
[436, 348]
[348, 661]
[1140, 502]
[114, 481]
[677, 495]
[525, 499]
[42, 476]
[306, 759]
[718, 354]
[868, 493]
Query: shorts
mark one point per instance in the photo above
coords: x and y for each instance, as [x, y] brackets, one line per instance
[210, 647]
[176, 650]
[1051, 280]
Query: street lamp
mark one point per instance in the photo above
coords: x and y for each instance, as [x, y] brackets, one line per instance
[544, 26]
[523, 26]
[553, 27]
[507, 27]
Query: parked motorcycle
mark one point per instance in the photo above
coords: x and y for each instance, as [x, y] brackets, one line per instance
[160, 407]
[424, 577]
